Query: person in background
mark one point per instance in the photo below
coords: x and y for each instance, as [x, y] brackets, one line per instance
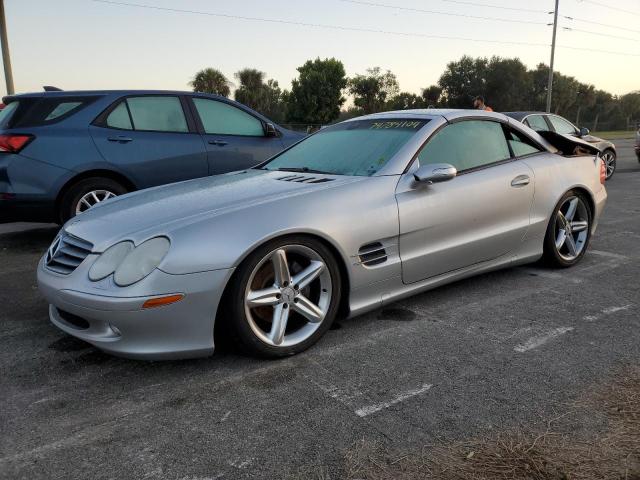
[478, 104]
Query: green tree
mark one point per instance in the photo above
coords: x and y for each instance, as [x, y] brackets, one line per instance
[431, 96]
[211, 80]
[405, 101]
[507, 84]
[316, 95]
[266, 98]
[462, 80]
[372, 91]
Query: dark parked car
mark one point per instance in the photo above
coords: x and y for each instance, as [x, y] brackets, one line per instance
[638, 143]
[63, 152]
[549, 122]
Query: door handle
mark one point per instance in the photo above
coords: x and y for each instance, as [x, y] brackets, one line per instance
[520, 181]
[120, 139]
[220, 143]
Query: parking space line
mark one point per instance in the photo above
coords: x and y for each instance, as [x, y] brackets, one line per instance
[606, 311]
[539, 340]
[369, 409]
[609, 254]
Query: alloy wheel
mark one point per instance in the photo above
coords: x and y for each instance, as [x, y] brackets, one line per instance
[571, 228]
[609, 159]
[288, 295]
[92, 198]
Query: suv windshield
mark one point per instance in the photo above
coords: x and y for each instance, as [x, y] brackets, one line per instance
[360, 147]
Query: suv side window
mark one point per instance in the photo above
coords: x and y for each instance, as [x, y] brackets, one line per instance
[537, 123]
[119, 117]
[149, 113]
[467, 145]
[560, 125]
[520, 144]
[224, 119]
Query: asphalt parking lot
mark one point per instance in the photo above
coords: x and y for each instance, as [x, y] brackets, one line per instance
[488, 353]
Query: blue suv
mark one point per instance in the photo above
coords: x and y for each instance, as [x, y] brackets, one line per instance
[63, 152]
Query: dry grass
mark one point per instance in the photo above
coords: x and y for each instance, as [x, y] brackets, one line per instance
[563, 449]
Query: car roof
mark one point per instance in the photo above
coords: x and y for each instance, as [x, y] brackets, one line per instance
[429, 113]
[80, 93]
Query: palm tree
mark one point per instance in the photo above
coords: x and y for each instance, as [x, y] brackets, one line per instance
[211, 80]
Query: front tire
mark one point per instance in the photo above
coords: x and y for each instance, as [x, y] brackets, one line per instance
[609, 158]
[283, 297]
[86, 193]
[569, 231]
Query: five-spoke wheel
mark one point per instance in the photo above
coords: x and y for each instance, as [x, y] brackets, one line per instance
[284, 297]
[569, 230]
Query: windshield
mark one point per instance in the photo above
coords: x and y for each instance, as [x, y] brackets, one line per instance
[360, 147]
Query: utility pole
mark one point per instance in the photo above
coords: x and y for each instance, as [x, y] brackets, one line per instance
[6, 59]
[553, 53]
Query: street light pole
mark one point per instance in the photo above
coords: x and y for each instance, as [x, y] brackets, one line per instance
[6, 59]
[553, 53]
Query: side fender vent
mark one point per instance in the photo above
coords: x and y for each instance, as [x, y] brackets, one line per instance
[372, 254]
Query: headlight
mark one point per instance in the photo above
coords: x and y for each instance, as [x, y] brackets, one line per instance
[141, 261]
[110, 259]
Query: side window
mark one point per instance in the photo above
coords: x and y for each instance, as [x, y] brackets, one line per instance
[119, 117]
[160, 114]
[520, 144]
[560, 125]
[224, 119]
[466, 145]
[537, 123]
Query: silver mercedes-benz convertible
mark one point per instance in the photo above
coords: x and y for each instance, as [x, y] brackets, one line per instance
[358, 215]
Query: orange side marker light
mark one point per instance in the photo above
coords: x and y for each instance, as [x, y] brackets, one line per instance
[160, 301]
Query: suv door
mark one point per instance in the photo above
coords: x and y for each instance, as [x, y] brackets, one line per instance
[148, 138]
[481, 214]
[235, 139]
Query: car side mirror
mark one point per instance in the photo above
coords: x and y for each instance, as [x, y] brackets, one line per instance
[270, 130]
[584, 131]
[435, 172]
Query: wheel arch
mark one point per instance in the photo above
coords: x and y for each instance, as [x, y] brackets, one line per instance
[99, 172]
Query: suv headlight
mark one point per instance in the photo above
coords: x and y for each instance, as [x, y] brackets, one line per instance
[130, 264]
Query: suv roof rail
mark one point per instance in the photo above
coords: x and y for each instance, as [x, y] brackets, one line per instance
[49, 88]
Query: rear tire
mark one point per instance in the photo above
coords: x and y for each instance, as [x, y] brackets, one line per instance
[569, 231]
[274, 312]
[86, 193]
[609, 157]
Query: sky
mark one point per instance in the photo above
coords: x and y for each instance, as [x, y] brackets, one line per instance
[85, 44]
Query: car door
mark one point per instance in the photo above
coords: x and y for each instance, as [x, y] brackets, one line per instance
[235, 139]
[481, 214]
[148, 138]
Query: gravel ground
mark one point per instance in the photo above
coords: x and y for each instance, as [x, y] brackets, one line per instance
[488, 353]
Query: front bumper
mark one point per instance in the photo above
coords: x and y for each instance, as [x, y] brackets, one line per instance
[113, 320]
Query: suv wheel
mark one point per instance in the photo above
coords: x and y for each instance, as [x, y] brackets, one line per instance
[87, 193]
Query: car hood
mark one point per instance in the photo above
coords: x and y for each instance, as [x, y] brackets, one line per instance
[139, 215]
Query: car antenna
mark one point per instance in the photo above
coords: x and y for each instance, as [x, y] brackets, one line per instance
[49, 88]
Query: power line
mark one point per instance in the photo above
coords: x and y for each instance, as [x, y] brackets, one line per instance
[571, 29]
[610, 7]
[610, 52]
[318, 25]
[477, 4]
[575, 19]
[344, 28]
[437, 12]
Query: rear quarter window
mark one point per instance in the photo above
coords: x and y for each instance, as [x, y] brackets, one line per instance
[37, 111]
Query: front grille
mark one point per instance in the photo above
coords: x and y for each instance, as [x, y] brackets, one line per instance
[372, 254]
[304, 179]
[66, 253]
